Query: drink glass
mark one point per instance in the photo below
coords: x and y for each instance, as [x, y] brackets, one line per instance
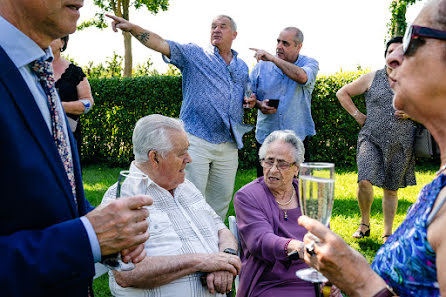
[129, 184]
[316, 194]
[248, 93]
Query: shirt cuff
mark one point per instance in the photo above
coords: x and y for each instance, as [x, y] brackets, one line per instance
[94, 243]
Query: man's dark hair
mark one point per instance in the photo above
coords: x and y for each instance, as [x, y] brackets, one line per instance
[396, 39]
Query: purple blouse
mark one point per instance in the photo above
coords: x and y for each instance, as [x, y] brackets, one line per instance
[263, 233]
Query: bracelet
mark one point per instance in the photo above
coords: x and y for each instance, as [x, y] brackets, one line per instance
[385, 292]
[87, 105]
[355, 113]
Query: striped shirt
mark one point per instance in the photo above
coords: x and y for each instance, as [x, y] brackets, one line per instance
[183, 224]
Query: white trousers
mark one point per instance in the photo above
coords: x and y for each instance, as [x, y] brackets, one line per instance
[212, 171]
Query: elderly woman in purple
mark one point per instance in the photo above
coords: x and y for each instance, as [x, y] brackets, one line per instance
[267, 210]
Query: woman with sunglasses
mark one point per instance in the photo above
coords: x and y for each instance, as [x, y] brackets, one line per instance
[385, 155]
[267, 210]
[413, 260]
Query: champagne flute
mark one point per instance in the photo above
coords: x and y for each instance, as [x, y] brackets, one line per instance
[248, 93]
[129, 184]
[316, 194]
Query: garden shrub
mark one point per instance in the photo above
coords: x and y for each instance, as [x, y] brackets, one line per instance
[120, 102]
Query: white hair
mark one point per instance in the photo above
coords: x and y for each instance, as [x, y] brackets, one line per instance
[151, 134]
[286, 136]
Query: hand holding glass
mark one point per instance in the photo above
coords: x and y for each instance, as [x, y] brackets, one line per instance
[248, 93]
[129, 184]
[316, 193]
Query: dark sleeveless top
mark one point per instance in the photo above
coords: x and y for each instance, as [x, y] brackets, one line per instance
[67, 83]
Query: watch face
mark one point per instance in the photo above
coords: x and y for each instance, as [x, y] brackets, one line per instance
[230, 251]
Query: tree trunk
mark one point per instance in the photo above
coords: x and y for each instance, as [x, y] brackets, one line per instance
[127, 54]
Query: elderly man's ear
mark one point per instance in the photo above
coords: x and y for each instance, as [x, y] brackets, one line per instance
[153, 158]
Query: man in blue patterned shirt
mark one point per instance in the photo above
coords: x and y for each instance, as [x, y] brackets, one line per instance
[213, 83]
[289, 77]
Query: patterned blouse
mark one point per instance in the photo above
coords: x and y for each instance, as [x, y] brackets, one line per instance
[407, 261]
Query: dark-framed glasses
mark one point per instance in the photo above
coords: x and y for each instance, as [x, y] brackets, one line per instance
[415, 31]
[281, 165]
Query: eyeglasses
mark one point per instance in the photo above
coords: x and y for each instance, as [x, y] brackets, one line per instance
[414, 31]
[281, 165]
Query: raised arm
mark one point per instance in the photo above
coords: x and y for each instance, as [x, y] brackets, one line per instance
[146, 37]
[289, 69]
[356, 87]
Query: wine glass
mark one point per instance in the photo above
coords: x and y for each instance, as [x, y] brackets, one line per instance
[248, 93]
[129, 184]
[316, 193]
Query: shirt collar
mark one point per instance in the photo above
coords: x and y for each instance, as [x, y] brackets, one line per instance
[214, 49]
[21, 49]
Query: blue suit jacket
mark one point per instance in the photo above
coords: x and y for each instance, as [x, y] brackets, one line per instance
[44, 247]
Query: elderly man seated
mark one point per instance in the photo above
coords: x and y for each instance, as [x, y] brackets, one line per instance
[187, 238]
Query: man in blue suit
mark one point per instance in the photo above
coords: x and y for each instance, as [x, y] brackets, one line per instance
[50, 236]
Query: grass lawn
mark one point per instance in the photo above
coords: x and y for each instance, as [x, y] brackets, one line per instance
[344, 220]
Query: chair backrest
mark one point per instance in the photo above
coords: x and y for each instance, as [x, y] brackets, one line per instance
[233, 227]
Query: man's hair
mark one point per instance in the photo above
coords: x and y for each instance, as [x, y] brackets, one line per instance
[286, 136]
[298, 37]
[151, 133]
[233, 24]
[396, 39]
[439, 18]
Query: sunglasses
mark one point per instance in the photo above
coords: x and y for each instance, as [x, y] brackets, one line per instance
[413, 32]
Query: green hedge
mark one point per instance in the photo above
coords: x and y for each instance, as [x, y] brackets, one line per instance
[119, 103]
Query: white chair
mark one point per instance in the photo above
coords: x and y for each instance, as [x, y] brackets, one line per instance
[232, 221]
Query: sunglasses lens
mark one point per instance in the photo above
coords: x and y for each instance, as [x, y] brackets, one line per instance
[407, 38]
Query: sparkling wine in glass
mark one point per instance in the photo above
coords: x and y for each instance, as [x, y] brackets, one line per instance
[129, 184]
[248, 93]
[316, 194]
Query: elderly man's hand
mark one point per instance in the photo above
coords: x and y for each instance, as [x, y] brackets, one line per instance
[122, 225]
[262, 55]
[219, 281]
[120, 23]
[337, 261]
[265, 108]
[219, 262]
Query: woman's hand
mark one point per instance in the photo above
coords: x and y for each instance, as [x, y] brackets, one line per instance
[341, 264]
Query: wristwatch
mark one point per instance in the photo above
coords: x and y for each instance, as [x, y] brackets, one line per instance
[230, 251]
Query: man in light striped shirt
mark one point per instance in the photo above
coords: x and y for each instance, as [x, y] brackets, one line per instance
[187, 238]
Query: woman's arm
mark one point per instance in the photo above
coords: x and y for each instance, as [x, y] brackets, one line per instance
[356, 87]
[255, 229]
[83, 92]
[341, 264]
[436, 238]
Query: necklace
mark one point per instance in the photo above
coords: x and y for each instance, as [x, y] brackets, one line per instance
[442, 168]
[285, 214]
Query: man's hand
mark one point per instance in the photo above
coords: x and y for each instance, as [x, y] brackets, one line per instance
[262, 55]
[219, 262]
[122, 225]
[250, 102]
[120, 23]
[219, 281]
[265, 108]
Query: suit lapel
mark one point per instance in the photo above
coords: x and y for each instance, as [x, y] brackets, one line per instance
[35, 122]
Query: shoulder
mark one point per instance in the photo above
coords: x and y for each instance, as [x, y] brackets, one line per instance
[253, 189]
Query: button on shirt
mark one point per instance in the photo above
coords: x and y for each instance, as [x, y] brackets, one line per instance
[294, 111]
[212, 92]
[182, 224]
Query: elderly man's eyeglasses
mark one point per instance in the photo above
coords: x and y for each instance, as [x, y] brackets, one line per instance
[412, 34]
[281, 165]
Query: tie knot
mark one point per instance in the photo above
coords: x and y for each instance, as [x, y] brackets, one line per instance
[42, 68]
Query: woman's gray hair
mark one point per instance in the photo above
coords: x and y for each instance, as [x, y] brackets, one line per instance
[286, 136]
[151, 133]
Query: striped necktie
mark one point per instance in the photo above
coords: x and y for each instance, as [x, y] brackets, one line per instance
[44, 72]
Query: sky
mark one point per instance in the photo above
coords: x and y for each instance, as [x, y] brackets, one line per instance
[340, 34]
